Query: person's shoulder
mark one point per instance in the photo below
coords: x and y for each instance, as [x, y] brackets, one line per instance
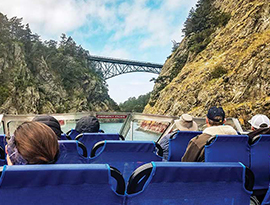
[168, 136]
[220, 130]
[230, 130]
[259, 131]
[201, 137]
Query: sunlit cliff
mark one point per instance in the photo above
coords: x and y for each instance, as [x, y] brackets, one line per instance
[233, 70]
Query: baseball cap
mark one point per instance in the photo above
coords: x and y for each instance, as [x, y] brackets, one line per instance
[51, 122]
[216, 114]
[258, 120]
[87, 124]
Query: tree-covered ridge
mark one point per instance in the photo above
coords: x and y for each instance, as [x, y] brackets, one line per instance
[57, 74]
[201, 23]
[233, 70]
[134, 104]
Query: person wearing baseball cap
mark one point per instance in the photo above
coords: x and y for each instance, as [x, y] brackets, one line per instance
[260, 124]
[185, 123]
[87, 124]
[215, 120]
[51, 122]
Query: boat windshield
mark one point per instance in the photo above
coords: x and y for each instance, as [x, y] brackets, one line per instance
[132, 126]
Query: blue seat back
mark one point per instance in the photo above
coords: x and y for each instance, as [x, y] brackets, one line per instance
[193, 183]
[69, 153]
[57, 184]
[266, 200]
[3, 140]
[126, 156]
[178, 144]
[2, 145]
[259, 162]
[90, 139]
[73, 134]
[63, 136]
[228, 148]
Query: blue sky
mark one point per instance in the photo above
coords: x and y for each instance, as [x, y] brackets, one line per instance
[139, 30]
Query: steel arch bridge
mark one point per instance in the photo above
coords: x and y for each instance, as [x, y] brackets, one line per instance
[111, 67]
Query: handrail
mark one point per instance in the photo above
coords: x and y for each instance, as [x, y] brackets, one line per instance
[123, 61]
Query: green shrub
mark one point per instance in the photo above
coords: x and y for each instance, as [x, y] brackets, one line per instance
[135, 104]
[218, 72]
[4, 93]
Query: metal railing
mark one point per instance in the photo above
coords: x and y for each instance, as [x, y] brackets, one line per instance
[111, 67]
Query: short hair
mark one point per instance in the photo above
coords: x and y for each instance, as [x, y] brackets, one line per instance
[263, 125]
[36, 142]
[214, 123]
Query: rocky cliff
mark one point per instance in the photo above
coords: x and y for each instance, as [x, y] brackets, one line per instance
[41, 77]
[232, 71]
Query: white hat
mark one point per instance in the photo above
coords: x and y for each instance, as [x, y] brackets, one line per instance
[186, 123]
[257, 120]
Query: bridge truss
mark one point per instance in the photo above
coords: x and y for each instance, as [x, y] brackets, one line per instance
[111, 67]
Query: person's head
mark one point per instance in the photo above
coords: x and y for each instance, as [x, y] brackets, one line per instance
[32, 143]
[51, 122]
[186, 123]
[215, 116]
[259, 121]
[87, 124]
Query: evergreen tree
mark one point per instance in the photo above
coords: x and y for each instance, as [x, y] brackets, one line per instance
[68, 62]
[201, 23]
[135, 104]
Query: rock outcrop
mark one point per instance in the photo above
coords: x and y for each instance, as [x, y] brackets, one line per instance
[41, 89]
[233, 71]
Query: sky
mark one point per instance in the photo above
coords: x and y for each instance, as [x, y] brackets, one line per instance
[140, 30]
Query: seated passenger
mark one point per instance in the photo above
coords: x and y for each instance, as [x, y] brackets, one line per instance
[185, 123]
[215, 120]
[51, 122]
[259, 125]
[87, 124]
[32, 143]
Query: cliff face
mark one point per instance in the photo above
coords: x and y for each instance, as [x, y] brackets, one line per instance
[42, 91]
[46, 77]
[233, 71]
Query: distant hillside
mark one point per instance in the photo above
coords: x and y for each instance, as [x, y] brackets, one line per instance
[135, 104]
[46, 77]
[224, 59]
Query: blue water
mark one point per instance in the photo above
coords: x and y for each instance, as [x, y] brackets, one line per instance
[115, 128]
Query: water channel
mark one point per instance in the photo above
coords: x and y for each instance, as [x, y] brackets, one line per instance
[115, 128]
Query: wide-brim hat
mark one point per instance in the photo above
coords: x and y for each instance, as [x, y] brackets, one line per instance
[186, 123]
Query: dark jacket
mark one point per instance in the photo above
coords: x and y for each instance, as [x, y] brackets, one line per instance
[257, 132]
[195, 148]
